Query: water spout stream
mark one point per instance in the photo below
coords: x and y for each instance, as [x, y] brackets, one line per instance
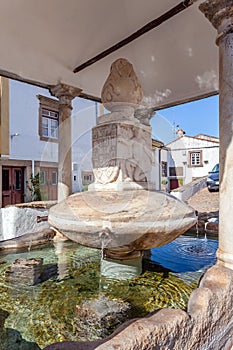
[197, 229]
[103, 235]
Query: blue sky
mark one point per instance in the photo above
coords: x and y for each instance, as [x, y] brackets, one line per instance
[199, 117]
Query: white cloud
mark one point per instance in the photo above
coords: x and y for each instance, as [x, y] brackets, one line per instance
[208, 80]
[158, 97]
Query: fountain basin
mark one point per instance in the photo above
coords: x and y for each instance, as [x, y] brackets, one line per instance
[47, 312]
[131, 220]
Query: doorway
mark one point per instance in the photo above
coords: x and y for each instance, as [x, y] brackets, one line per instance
[48, 183]
[174, 183]
[12, 185]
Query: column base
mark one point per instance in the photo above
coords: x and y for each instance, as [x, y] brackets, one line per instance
[225, 259]
[63, 191]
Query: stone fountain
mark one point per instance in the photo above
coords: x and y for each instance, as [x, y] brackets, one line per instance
[120, 205]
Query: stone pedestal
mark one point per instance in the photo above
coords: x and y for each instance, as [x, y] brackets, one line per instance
[220, 13]
[121, 155]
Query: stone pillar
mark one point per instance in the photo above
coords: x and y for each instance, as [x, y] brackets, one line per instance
[0, 192]
[65, 94]
[220, 14]
[4, 118]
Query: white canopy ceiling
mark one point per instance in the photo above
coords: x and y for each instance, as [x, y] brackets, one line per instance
[43, 41]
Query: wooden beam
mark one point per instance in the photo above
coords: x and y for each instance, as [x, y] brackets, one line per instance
[187, 100]
[146, 28]
[16, 77]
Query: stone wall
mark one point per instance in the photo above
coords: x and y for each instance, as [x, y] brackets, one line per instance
[15, 221]
[185, 192]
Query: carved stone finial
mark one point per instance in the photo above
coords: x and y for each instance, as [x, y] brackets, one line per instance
[122, 86]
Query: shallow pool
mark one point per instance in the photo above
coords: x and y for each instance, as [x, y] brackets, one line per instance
[32, 317]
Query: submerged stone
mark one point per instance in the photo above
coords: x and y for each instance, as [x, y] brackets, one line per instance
[97, 318]
[25, 271]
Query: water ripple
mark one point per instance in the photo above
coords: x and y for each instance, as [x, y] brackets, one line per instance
[186, 254]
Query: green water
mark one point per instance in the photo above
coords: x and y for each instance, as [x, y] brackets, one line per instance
[33, 317]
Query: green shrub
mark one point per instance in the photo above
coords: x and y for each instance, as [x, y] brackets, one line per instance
[164, 182]
[181, 181]
[34, 187]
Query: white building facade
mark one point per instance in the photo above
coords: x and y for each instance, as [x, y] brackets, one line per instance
[32, 148]
[32, 143]
[191, 157]
[158, 179]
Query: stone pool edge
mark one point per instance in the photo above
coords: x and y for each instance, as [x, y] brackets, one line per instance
[207, 322]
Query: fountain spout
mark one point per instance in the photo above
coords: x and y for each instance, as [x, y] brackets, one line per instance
[104, 233]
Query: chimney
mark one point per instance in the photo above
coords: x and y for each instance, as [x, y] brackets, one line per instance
[180, 132]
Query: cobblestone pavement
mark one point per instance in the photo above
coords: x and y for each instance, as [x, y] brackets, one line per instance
[205, 201]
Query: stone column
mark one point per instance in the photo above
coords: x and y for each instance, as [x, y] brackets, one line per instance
[4, 118]
[65, 94]
[220, 14]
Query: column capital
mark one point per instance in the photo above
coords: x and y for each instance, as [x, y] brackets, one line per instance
[62, 90]
[220, 14]
[144, 115]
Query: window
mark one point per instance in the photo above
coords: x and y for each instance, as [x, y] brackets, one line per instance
[43, 177]
[176, 171]
[164, 169]
[195, 158]
[75, 167]
[48, 119]
[18, 179]
[54, 178]
[87, 177]
[5, 180]
[49, 123]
